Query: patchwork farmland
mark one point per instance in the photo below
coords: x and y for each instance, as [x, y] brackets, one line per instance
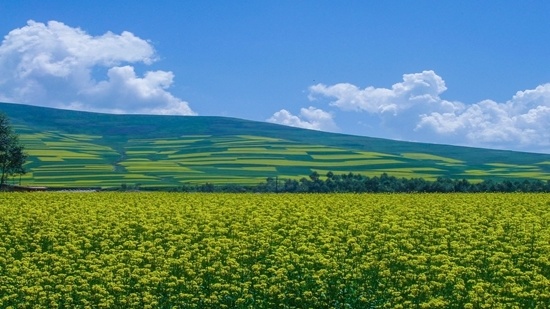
[78, 149]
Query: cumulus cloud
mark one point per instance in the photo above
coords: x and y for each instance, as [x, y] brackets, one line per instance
[59, 66]
[309, 118]
[413, 110]
[419, 88]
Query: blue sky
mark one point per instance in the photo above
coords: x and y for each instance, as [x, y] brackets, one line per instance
[473, 73]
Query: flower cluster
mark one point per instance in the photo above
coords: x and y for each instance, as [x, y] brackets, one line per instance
[169, 250]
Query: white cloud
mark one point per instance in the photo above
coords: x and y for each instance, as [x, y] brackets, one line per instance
[309, 118]
[419, 88]
[522, 123]
[58, 66]
[414, 110]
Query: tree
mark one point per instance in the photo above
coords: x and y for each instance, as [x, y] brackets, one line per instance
[12, 155]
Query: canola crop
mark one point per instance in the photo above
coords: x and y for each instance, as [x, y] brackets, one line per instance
[168, 250]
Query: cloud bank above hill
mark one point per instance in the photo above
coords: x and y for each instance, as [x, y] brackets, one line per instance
[309, 118]
[59, 66]
[414, 110]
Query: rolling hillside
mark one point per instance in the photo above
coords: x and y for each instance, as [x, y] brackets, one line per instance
[70, 148]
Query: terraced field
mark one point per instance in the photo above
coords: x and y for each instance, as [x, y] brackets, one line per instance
[68, 148]
[58, 159]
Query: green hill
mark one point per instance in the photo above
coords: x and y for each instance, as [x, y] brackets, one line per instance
[71, 148]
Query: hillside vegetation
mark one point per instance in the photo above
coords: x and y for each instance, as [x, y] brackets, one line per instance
[71, 148]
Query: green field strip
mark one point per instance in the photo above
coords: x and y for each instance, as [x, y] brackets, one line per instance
[240, 139]
[73, 160]
[75, 145]
[501, 165]
[283, 177]
[209, 162]
[502, 171]
[202, 136]
[413, 169]
[310, 147]
[425, 156]
[513, 166]
[87, 149]
[166, 175]
[111, 154]
[202, 149]
[252, 169]
[61, 172]
[70, 165]
[222, 139]
[176, 142]
[30, 139]
[205, 159]
[373, 154]
[291, 170]
[91, 176]
[350, 156]
[252, 142]
[195, 151]
[138, 176]
[286, 148]
[140, 152]
[82, 183]
[39, 136]
[167, 152]
[261, 152]
[313, 164]
[244, 173]
[477, 173]
[203, 177]
[450, 164]
[78, 163]
[157, 169]
[81, 137]
[90, 170]
[93, 183]
[156, 145]
[534, 175]
[50, 159]
[66, 154]
[260, 138]
[246, 149]
[327, 151]
[239, 143]
[134, 160]
[248, 155]
[270, 152]
[144, 162]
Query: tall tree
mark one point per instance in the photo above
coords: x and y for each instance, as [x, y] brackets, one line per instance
[12, 154]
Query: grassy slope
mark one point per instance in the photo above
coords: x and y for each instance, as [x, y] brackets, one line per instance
[79, 148]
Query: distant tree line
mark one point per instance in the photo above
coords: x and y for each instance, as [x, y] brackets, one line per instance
[357, 183]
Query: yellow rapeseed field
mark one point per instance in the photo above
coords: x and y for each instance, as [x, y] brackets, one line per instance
[172, 250]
